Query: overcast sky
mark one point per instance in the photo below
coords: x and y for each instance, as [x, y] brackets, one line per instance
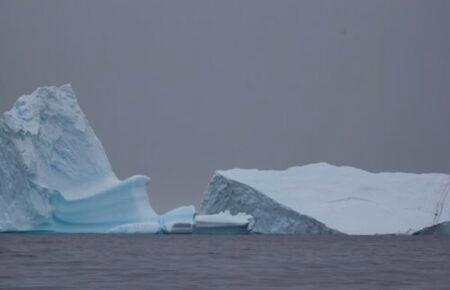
[178, 89]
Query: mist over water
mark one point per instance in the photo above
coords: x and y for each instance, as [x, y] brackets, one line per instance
[223, 262]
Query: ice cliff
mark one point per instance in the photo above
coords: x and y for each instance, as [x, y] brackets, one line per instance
[326, 199]
[55, 175]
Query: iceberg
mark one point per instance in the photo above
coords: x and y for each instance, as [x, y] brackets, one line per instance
[55, 175]
[326, 199]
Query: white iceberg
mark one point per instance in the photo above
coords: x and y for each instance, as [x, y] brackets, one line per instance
[325, 199]
[55, 175]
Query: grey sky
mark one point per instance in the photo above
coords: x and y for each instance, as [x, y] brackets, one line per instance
[178, 89]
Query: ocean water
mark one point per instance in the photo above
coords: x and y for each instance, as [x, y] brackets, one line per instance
[38, 261]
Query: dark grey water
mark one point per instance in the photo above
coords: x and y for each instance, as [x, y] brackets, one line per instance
[223, 262]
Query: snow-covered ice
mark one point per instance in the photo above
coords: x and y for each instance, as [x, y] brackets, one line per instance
[326, 199]
[55, 175]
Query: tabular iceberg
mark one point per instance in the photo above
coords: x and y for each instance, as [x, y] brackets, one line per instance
[55, 175]
[325, 199]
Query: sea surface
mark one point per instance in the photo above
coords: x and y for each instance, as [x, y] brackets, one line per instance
[38, 261]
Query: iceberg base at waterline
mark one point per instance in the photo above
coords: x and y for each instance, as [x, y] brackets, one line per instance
[223, 223]
[441, 229]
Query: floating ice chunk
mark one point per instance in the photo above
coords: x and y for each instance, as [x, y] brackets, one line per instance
[178, 221]
[223, 222]
[223, 219]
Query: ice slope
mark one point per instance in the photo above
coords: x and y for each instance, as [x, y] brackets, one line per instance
[442, 229]
[325, 199]
[55, 175]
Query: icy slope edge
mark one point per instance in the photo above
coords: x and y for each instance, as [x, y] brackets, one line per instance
[270, 216]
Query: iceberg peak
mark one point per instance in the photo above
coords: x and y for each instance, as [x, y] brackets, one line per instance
[57, 146]
[33, 111]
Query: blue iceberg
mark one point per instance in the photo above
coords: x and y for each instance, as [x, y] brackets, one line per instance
[55, 175]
